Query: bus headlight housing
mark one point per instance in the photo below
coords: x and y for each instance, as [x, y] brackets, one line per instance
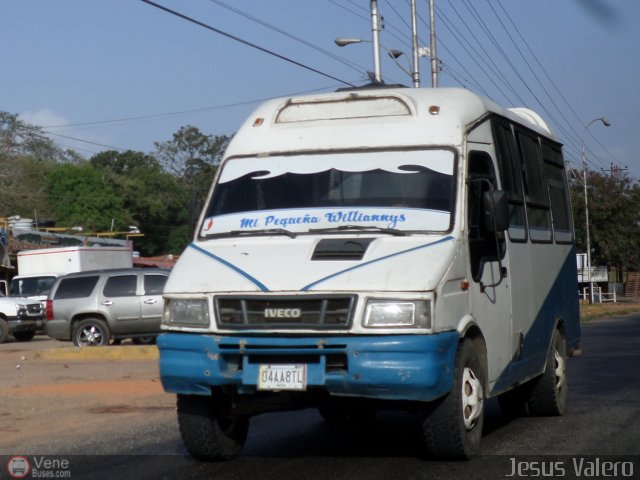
[397, 314]
[188, 313]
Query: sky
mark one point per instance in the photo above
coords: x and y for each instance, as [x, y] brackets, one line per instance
[122, 74]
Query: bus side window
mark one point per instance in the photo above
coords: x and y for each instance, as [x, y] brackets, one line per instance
[482, 242]
[536, 191]
[558, 193]
[511, 175]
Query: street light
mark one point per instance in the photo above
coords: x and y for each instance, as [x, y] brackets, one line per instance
[606, 123]
[393, 54]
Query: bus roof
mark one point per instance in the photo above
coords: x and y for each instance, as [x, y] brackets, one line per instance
[370, 118]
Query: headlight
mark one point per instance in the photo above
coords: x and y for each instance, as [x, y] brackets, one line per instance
[186, 312]
[394, 314]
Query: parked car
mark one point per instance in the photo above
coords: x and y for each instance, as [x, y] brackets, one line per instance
[20, 317]
[92, 308]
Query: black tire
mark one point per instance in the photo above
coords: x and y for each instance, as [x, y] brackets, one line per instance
[452, 425]
[90, 333]
[209, 430]
[4, 330]
[548, 396]
[150, 340]
[24, 336]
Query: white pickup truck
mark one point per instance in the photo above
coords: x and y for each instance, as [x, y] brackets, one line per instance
[20, 317]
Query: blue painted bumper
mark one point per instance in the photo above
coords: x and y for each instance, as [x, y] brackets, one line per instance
[390, 367]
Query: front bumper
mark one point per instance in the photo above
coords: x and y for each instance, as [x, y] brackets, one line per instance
[386, 367]
[25, 324]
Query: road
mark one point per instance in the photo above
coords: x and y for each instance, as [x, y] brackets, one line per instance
[140, 439]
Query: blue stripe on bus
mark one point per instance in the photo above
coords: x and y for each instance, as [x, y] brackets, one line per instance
[558, 306]
[251, 279]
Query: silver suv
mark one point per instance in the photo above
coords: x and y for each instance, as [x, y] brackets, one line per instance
[92, 308]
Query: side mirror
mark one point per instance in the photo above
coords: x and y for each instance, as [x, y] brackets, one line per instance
[496, 210]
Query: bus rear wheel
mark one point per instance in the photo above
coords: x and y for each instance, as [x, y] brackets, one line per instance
[452, 425]
[548, 396]
[209, 429]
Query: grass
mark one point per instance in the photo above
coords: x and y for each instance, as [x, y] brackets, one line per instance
[605, 310]
[110, 352]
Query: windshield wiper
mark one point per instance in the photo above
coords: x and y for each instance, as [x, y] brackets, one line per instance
[363, 228]
[264, 231]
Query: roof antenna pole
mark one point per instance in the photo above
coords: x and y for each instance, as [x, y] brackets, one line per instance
[375, 30]
[414, 37]
[432, 46]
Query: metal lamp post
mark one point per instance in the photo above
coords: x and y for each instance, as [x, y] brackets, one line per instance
[606, 123]
[393, 54]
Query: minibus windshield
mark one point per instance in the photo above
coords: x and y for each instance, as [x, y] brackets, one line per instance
[407, 190]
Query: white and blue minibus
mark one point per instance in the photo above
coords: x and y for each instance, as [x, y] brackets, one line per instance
[375, 249]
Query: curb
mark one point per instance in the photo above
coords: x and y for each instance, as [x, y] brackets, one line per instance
[112, 352]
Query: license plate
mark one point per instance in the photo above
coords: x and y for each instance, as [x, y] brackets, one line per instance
[282, 377]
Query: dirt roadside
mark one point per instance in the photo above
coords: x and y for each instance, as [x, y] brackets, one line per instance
[55, 395]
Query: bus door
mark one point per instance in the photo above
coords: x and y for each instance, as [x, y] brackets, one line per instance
[490, 299]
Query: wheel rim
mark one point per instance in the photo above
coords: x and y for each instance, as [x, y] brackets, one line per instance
[472, 398]
[560, 370]
[90, 335]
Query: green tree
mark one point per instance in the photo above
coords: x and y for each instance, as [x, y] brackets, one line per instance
[22, 187]
[81, 195]
[193, 158]
[154, 198]
[614, 219]
[19, 139]
[26, 155]
[123, 163]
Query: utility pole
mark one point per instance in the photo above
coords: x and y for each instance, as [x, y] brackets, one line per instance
[606, 123]
[615, 170]
[414, 42]
[375, 31]
[432, 46]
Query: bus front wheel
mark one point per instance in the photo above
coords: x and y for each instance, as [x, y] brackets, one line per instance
[209, 429]
[452, 425]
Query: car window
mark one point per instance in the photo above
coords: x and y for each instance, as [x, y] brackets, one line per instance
[121, 286]
[78, 287]
[154, 284]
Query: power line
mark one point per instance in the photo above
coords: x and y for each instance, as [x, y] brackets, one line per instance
[476, 15]
[155, 116]
[459, 36]
[546, 73]
[558, 124]
[344, 61]
[184, 112]
[447, 67]
[467, 46]
[340, 5]
[110, 147]
[244, 42]
[367, 19]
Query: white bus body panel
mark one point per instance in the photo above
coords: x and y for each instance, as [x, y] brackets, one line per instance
[419, 265]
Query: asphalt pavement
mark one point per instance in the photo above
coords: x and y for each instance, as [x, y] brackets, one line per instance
[601, 427]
